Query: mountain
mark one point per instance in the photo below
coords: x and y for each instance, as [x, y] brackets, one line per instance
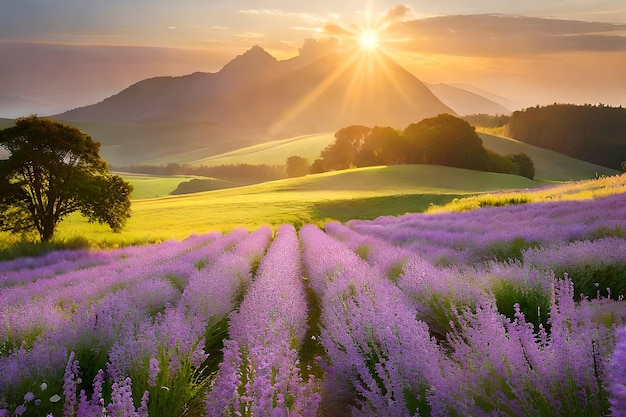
[466, 102]
[306, 94]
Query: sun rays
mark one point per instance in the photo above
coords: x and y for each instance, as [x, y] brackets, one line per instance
[361, 54]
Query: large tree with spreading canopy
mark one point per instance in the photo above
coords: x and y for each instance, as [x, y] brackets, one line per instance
[53, 170]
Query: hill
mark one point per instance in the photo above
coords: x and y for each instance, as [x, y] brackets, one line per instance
[151, 186]
[124, 144]
[549, 165]
[273, 152]
[307, 94]
[363, 193]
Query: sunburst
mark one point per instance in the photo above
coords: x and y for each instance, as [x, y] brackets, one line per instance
[365, 48]
[368, 39]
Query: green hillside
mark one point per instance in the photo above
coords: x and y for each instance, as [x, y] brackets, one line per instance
[273, 152]
[549, 165]
[363, 193]
[150, 186]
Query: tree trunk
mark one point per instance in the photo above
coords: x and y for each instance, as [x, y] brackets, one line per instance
[47, 231]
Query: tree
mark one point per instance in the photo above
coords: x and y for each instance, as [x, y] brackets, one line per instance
[445, 140]
[526, 167]
[296, 166]
[342, 154]
[54, 170]
[382, 146]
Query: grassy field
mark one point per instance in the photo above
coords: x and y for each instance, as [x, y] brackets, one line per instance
[364, 193]
[150, 186]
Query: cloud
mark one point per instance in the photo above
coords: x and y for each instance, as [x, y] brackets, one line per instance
[307, 17]
[313, 48]
[397, 13]
[334, 29]
[500, 35]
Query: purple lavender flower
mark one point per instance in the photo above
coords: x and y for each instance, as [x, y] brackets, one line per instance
[153, 371]
[616, 380]
[72, 372]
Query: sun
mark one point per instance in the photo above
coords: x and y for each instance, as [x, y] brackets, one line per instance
[368, 39]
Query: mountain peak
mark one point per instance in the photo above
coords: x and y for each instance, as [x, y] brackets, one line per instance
[255, 59]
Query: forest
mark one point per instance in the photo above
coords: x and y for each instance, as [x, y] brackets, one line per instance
[592, 133]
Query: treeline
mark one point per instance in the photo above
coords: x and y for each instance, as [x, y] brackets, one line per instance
[442, 140]
[240, 173]
[593, 133]
[487, 120]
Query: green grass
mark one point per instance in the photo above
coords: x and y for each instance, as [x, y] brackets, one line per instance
[150, 186]
[364, 193]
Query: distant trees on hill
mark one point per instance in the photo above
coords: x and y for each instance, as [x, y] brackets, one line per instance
[240, 173]
[593, 133]
[487, 120]
[442, 140]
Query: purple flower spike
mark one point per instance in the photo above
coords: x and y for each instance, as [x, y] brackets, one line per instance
[617, 376]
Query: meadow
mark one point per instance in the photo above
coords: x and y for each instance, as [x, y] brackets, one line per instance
[505, 310]
[364, 193]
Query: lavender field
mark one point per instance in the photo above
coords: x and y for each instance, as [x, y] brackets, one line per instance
[501, 311]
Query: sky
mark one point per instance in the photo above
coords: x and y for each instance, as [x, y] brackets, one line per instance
[95, 48]
[203, 23]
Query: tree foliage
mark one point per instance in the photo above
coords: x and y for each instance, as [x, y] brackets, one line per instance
[442, 140]
[54, 170]
[296, 166]
[446, 140]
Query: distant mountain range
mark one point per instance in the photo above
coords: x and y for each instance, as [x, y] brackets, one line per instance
[465, 102]
[310, 93]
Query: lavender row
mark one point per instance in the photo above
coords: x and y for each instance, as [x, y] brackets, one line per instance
[23, 270]
[479, 235]
[378, 253]
[169, 349]
[32, 309]
[380, 359]
[260, 374]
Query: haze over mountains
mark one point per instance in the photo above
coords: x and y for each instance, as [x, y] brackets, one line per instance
[528, 60]
[309, 93]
